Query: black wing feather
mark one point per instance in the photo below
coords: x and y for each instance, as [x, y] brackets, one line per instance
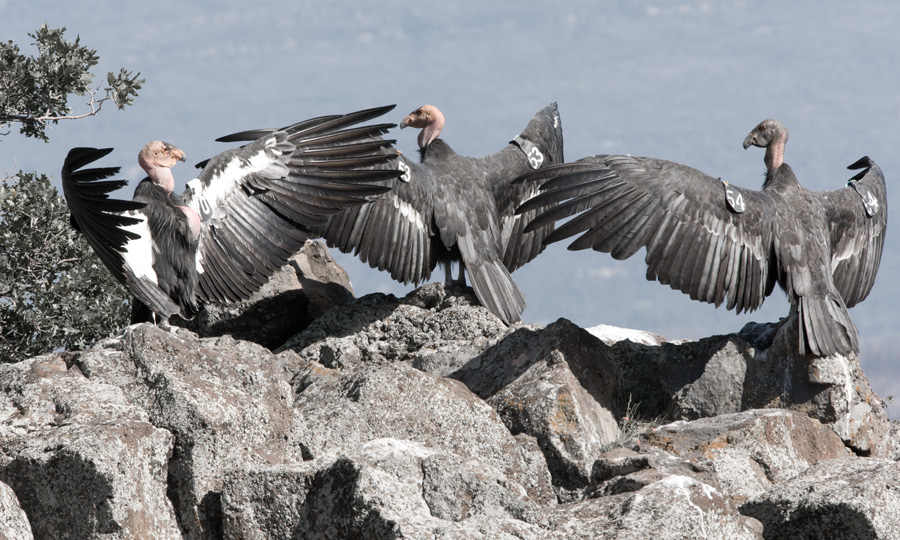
[857, 240]
[623, 203]
[371, 230]
[102, 219]
[263, 200]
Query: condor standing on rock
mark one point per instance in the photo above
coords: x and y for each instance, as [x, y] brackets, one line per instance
[717, 242]
[454, 208]
[247, 212]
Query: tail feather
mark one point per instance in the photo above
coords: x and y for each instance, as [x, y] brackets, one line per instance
[497, 291]
[492, 282]
[825, 327]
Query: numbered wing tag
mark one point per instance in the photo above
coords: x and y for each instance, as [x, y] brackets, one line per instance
[203, 206]
[532, 153]
[870, 201]
[734, 199]
[404, 168]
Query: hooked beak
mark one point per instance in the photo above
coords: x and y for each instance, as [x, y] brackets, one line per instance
[414, 119]
[174, 151]
[750, 141]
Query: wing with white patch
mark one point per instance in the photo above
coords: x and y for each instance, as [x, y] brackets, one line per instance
[393, 232]
[695, 242]
[259, 203]
[857, 215]
[116, 229]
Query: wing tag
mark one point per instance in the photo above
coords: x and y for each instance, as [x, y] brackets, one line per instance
[531, 151]
[734, 199]
[870, 201]
[202, 204]
[405, 170]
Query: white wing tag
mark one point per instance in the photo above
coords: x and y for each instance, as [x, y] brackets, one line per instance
[404, 168]
[532, 153]
[203, 208]
[734, 199]
[870, 201]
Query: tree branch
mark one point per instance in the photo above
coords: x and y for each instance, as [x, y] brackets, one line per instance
[95, 105]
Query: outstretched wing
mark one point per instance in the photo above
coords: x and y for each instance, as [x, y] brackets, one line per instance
[394, 231]
[857, 215]
[116, 229]
[696, 241]
[259, 203]
[539, 145]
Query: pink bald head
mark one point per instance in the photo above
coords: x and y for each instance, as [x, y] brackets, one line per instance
[427, 117]
[157, 159]
[771, 135]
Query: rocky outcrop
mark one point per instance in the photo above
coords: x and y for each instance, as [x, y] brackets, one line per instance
[426, 417]
[309, 284]
[12, 517]
[226, 403]
[83, 460]
[847, 498]
[750, 452]
[757, 368]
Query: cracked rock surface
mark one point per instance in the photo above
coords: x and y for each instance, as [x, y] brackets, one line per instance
[426, 417]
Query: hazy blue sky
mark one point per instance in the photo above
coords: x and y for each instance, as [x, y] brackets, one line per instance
[684, 81]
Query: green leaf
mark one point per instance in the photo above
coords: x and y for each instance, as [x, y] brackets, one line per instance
[44, 304]
[34, 90]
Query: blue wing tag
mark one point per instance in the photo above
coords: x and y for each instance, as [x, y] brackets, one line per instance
[532, 153]
[870, 201]
[734, 199]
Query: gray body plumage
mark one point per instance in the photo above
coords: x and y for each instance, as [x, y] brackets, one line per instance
[821, 247]
[456, 208]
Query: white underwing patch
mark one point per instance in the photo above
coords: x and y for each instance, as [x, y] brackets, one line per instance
[410, 213]
[138, 253]
[206, 199]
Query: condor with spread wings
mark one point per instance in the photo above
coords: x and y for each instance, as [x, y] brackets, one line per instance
[723, 244]
[248, 211]
[454, 208]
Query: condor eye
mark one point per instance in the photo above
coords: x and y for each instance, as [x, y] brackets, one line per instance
[762, 128]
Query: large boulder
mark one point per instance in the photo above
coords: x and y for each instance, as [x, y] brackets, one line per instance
[384, 488]
[15, 522]
[546, 383]
[850, 499]
[82, 458]
[625, 470]
[833, 389]
[227, 403]
[750, 452]
[673, 508]
[341, 412]
[758, 368]
[309, 284]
